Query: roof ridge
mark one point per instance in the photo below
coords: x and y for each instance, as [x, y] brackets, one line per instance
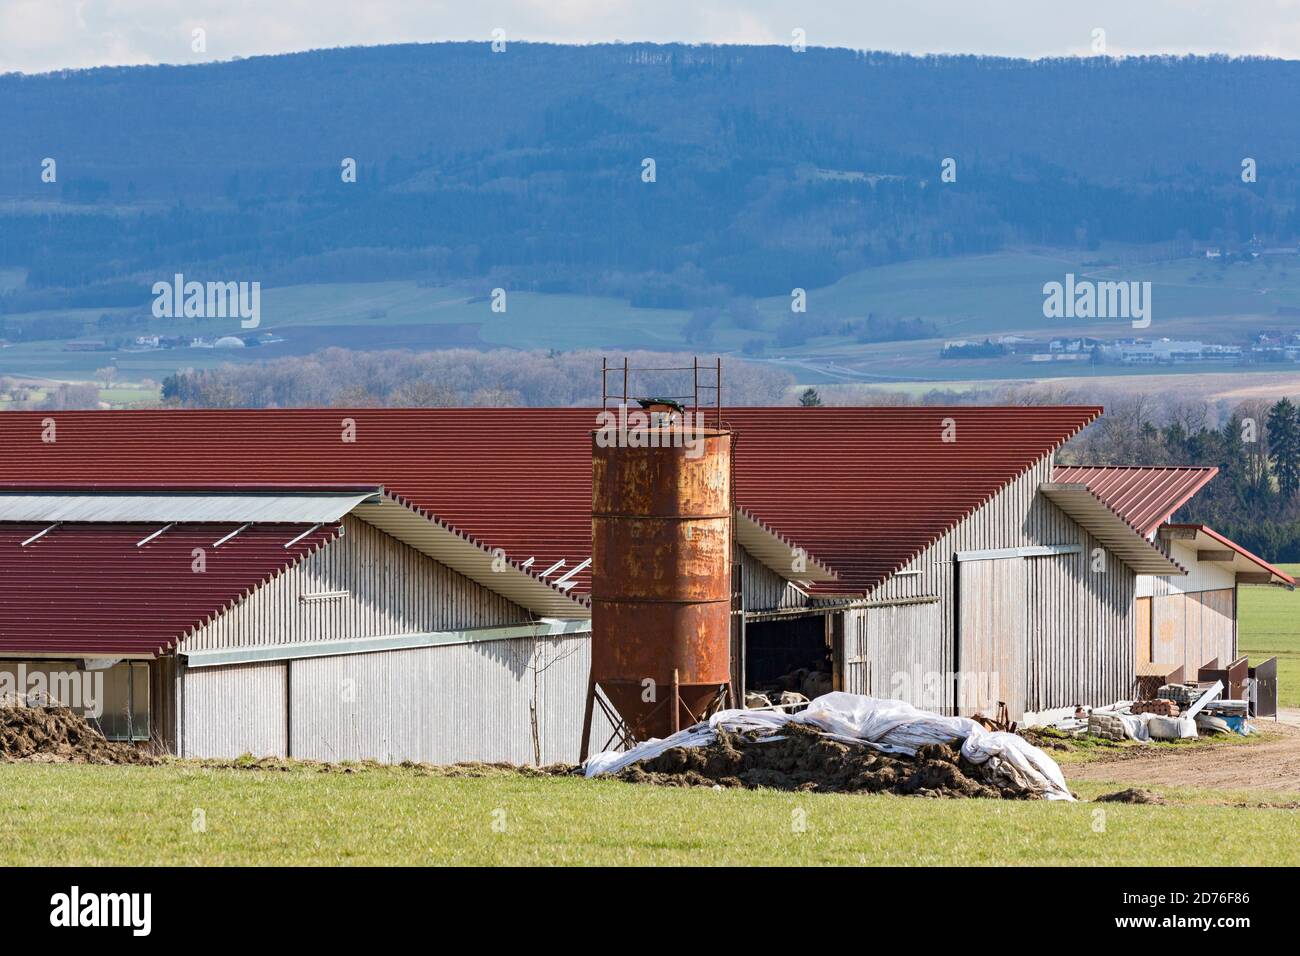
[1001, 488]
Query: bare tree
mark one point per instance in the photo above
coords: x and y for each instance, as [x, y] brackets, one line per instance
[542, 653]
[504, 377]
[66, 396]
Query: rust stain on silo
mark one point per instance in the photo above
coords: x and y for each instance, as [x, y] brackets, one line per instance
[661, 575]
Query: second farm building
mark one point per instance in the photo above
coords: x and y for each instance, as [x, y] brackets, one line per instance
[413, 584]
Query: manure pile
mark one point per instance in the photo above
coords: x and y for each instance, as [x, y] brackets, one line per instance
[59, 735]
[800, 758]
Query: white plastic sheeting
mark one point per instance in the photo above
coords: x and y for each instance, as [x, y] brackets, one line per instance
[892, 726]
[1145, 728]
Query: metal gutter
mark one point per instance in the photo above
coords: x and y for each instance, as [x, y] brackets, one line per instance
[1029, 551]
[824, 609]
[547, 627]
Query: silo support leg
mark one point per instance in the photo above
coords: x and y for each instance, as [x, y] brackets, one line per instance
[678, 704]
[584, 751]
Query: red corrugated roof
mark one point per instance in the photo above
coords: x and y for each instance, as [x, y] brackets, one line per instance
[861, 489]
[865, 490]
[1144, 496]
[88, 589]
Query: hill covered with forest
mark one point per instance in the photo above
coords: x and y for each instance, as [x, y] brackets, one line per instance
[771, 169]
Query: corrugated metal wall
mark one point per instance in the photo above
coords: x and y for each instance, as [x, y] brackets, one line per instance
[992, 651]
[438, 704]
[1080, 621]
[1081, 641]
[363, 584]
[435, 704]
[444, 704]
[765, 590]
[896, 651]
[229, 711]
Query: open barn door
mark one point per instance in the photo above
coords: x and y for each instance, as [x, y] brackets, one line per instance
[992, 636]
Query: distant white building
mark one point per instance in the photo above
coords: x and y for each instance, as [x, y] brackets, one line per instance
[1170, 352]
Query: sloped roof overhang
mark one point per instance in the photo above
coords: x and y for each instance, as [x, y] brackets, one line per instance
[1243, 562]
[1118, 536]
[1143, 495]
[493, 569]
[778, 554]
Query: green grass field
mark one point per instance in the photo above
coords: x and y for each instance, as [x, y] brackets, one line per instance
[119, 396]
[1269, 625]
[965, 297]
[51, 814]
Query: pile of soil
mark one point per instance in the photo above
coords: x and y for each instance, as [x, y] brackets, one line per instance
[58, 735]
[806, 760]
[1132, 795]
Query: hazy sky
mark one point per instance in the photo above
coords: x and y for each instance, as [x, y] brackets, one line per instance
[40, 35]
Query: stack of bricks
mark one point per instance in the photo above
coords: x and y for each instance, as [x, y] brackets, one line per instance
[1182, 694]
[1108, 726]
[1162, 707]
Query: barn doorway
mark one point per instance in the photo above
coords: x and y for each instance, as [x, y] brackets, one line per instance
[992, 634]
[789, 654]
[1142, 633]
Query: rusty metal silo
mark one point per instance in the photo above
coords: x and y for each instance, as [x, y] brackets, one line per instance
[661, 578]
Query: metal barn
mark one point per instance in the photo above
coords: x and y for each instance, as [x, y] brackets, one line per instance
[414, 584]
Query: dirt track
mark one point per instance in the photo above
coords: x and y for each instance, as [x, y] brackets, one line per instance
[1273, 765]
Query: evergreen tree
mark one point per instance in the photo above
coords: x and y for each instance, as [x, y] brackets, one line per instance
[810, 398]
[1284, 446]
[1230, 455]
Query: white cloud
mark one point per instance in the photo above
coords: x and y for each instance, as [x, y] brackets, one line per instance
[38, 35]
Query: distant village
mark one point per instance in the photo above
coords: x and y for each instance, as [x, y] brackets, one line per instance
[153, 343]
[1265, 347]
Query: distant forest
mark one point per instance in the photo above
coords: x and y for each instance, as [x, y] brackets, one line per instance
[772, 169]
[1255, 498]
